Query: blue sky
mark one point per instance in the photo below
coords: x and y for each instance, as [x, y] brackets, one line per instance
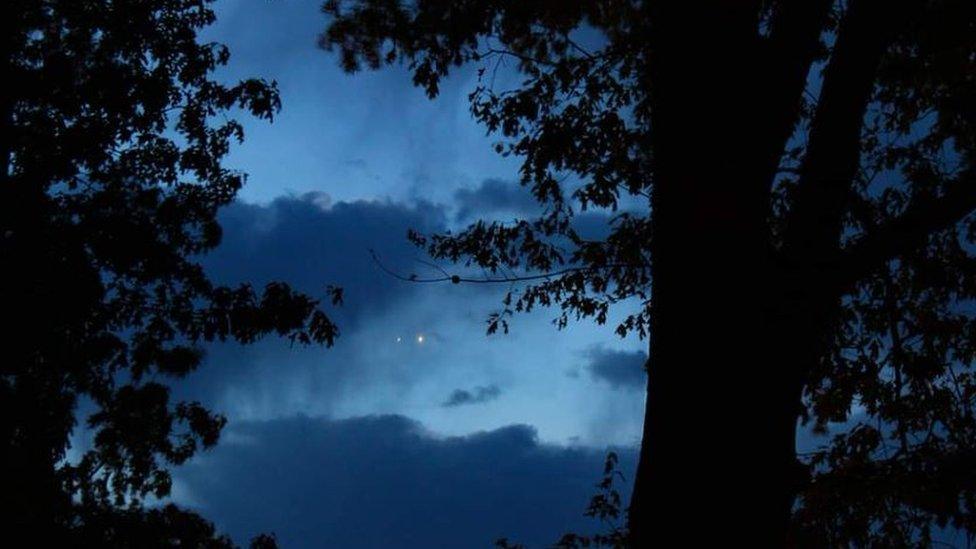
[386, 440]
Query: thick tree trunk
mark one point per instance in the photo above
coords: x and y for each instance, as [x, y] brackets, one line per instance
[718, 462]
[718, 458]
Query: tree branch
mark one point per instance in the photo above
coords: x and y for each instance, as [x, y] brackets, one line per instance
[910, 230]
[792, 46]
[833, 151]
[457, 279]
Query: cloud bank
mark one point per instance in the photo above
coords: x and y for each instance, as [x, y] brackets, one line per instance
[383, 481]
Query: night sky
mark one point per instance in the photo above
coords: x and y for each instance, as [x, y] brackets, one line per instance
[387, 440]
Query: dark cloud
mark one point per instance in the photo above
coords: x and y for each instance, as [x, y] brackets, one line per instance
[475, 396]
[310, 242]
[592, 225]
[497, 199]
[621, 369]
[493, 197]
[382, 481]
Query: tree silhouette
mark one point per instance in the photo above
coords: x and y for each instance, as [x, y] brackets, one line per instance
[793, 184]
[113, 133]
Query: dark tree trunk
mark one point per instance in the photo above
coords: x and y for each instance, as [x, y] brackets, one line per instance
[718, 460]
[735, 325]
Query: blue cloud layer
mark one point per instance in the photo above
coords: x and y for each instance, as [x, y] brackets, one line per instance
[404, 347]
[383, 482]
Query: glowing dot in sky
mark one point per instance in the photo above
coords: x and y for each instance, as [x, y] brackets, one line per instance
[399, 339]
[420, 339]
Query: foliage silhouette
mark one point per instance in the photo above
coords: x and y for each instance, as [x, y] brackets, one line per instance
[113, 136]
[792, 186]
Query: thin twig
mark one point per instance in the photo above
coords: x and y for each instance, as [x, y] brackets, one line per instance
[456, 279]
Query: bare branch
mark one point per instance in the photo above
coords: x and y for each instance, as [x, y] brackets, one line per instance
[457, 279]
[520, 56]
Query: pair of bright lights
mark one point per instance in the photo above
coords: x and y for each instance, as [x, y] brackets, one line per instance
[420, 339]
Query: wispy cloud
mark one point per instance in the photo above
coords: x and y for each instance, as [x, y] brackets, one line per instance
[477, 395]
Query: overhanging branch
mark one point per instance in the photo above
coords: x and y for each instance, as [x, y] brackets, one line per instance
[910, 230]
[457, 279]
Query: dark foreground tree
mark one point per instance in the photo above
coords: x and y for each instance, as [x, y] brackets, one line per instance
[795, 182]
[111, 180]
